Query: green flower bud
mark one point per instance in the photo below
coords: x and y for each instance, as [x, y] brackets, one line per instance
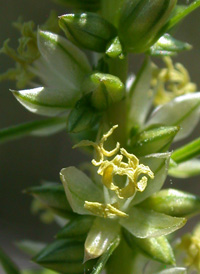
[64, 256]
[107, 89]
[140, 22]
[87, 30]
[53, 197]
[173, 202]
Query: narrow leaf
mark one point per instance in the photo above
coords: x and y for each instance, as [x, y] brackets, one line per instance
[187, 151]
[79, 188]
[157, 249]
[186, 169]
[8, 264]
[41, 127]
[173, 202]
[144, 223]
[182, 14]
[104, 258]
[182, 111]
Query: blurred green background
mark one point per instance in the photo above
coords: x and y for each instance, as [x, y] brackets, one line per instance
[27, 161]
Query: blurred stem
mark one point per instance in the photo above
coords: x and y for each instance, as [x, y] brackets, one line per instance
[121, 260]
[110, 10]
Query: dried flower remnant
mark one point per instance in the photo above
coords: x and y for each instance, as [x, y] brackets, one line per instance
[171, 81]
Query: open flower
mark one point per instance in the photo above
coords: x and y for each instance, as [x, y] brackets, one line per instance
[116, 204]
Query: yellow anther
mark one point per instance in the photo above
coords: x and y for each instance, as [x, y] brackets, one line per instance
[109, 168]
[170, 82]
[104, 210]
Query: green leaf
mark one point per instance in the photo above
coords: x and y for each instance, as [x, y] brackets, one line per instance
[87, 30]
[7, 264]
[144, 223]
[140, 98]
[76, 228]
[67, 61]
[53, 196]
[173, 202]
[104, 258]
[181, 14]
[182, 111]
[186, 169]
[63, 256]
[167, 46]
[157, 248]
[79, 188]
[30, 247]
[45, 101]
[41, 127]
[174, 270]
[100, 236]
[153, 140]
[187, 151]
[158, 163]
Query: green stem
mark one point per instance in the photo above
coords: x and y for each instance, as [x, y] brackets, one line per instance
[122, 260]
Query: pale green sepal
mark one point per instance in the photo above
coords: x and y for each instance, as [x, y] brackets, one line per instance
[187, 151]
[144, 223]
[182, 111]
[66, 60]
[174, 270]
[79, 188]
[186, 169]
[45, 101]
[63, 256]
[159, 164]
[104, 258]
[76, 228]
[38, 128]
[29, 247]
[168, 46]
[158, 248]
[7, 264]
[100, 236]
[173, 202]
[141, 96]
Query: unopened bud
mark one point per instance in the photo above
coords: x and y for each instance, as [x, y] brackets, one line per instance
[87, 30]
[140, 22]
